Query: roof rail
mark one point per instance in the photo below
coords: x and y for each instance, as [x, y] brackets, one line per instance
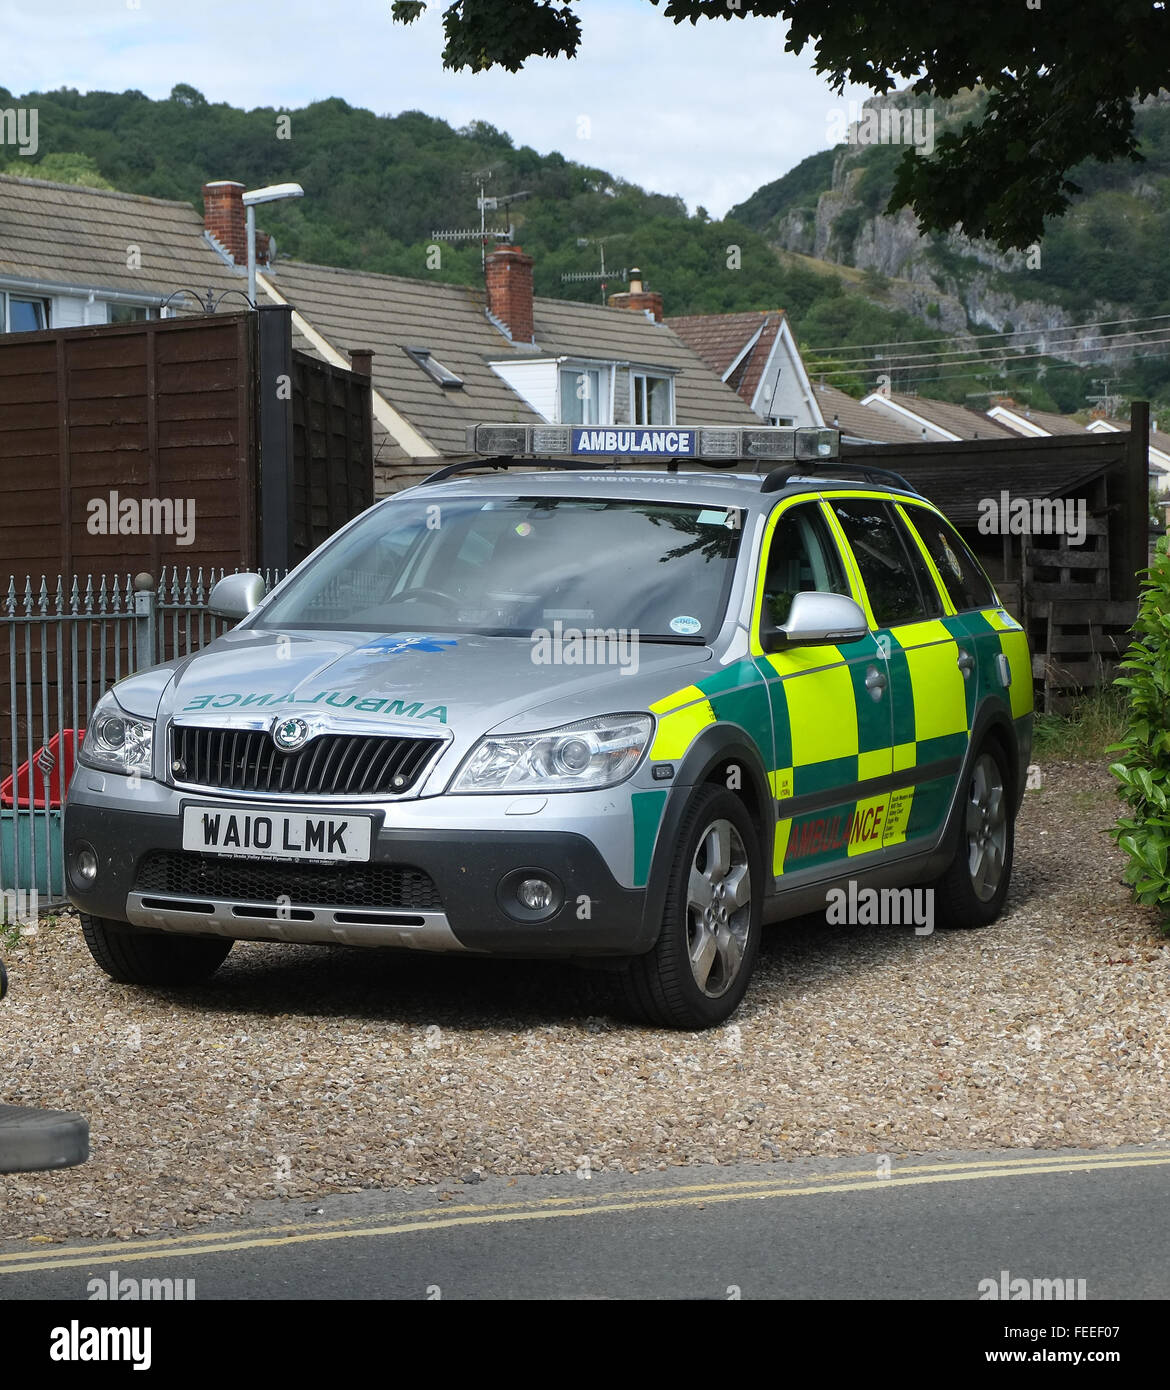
[779, 477]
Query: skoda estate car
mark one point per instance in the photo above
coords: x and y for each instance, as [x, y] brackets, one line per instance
[624, 716]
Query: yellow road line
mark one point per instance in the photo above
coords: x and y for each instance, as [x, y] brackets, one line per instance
[446, 1217]
[1077, 1161]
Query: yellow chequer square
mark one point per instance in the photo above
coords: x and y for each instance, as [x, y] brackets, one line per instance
[780, 845]
[686, 696]
[905, 755]
[940, 700]
[875, 763]
[781, 783]
[678, 729]
[1014, 646]
[1000, 620]
[919, 634]
[868, 825]
[822, 716]
[897, 816]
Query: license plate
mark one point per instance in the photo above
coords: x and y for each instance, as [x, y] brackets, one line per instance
[276, 834]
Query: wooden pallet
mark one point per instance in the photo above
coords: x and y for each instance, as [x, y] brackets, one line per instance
[1082, 643]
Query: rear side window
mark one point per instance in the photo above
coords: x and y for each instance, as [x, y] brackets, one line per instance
[961, 573]
[895, 576]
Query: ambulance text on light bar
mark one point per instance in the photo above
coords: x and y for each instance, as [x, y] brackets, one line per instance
[709, 443]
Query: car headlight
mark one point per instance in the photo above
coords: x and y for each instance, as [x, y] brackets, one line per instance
[116, 741]
[577, 757]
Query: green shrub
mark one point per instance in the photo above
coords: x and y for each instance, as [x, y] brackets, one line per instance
[1144, 767]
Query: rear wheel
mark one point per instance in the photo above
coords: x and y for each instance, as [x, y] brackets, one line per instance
[148, 958]
[972, 891]
[699, 969]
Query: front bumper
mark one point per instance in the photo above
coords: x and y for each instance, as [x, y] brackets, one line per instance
[133, 832]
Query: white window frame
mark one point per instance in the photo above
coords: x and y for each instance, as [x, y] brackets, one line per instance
[6, 298]
[576, 367]
[656, 374]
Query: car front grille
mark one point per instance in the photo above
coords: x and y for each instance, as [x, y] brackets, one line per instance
[247, 760]
[387, 886]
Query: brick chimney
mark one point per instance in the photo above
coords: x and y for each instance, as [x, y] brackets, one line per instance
[509, 292]
[223, 217]
[638, 299]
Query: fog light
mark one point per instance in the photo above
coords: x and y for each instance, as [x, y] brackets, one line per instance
[87, 864]
[535, 894]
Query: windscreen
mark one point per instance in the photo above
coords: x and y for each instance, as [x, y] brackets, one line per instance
[510, 565]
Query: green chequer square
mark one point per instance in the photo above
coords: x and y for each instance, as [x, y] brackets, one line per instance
[824, 776]
[873, 716]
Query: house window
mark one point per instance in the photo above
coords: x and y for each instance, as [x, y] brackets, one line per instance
[581, 402]
[131, 313]
[653, 402]
[22, 315]
[781, 419]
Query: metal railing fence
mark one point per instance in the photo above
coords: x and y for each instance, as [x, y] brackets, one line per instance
[62, 646]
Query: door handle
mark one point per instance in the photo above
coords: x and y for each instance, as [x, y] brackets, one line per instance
[966, 663]
[875, 682]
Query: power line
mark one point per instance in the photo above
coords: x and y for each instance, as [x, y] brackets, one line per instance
[1015, 333]
[908, 358]
[1022, 371]
[894, 364]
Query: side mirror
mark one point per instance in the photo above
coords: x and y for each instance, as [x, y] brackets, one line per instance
[236, 595]
[817, 620]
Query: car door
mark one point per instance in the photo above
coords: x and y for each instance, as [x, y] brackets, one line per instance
[929, 673]
[981, 625]
[830, 707]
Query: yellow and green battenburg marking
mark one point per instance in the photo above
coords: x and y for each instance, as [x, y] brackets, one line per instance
[829, 732]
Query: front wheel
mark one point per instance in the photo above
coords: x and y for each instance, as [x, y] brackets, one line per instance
[149, 958]
[699, 969]
[972, 890]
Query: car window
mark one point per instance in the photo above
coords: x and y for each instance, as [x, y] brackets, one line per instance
[508, 565]
[896, 578]
[802, 556]
[961, 574]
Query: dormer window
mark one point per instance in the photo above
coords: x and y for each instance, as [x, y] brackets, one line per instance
[652, 402]
[439, 374]
[582, 401]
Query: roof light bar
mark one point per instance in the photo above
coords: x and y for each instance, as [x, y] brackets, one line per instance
[715, 444]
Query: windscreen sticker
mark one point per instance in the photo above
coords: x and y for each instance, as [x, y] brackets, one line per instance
[720, 516]
[685, 626]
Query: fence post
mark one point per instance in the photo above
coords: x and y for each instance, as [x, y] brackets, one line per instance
[144, 622]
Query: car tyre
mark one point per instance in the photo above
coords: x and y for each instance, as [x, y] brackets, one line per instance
[971, 892]
[699, 969]
[149, 958]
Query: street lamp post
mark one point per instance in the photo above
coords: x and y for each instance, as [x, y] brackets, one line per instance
[274, 193]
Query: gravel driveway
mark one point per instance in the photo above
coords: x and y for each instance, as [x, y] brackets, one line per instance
[304, 1070]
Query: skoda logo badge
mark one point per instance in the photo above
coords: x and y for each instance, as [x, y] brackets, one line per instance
[290, 734]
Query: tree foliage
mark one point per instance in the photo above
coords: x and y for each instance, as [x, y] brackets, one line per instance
[1143, 770]
[1062, 76]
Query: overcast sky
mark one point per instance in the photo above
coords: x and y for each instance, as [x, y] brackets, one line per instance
[709, 113]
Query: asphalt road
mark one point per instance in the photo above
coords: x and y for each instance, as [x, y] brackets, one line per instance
[932, 1229]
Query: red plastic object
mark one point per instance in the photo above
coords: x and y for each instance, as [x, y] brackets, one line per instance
[60, 749]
